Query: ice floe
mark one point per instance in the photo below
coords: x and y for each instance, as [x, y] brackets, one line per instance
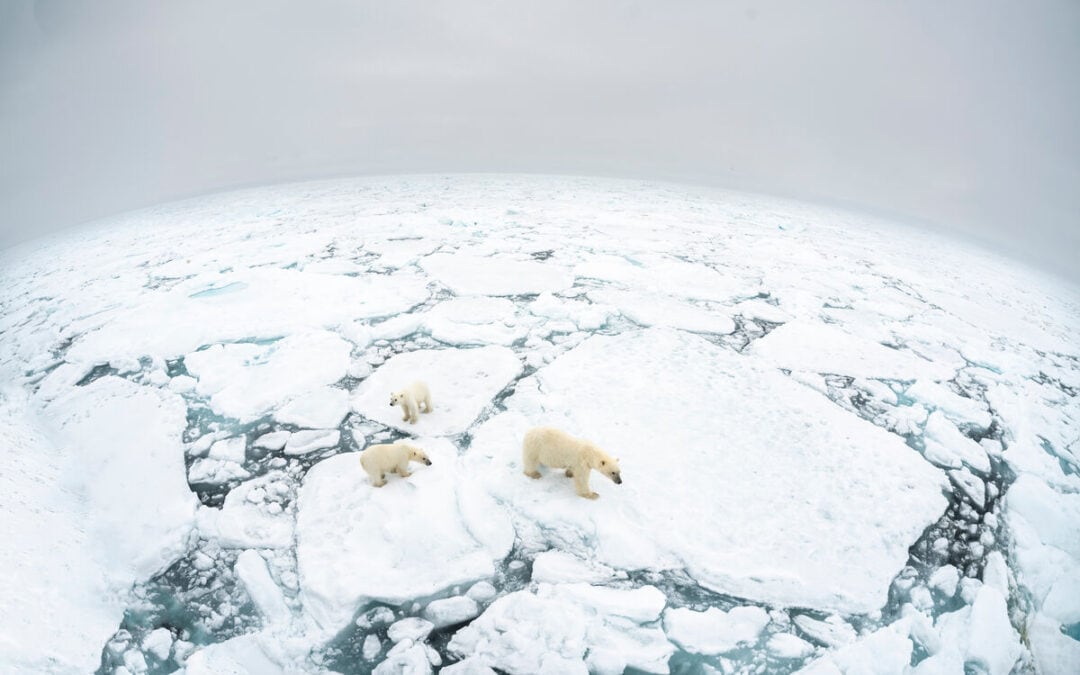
[462, 383]
[761, 436]
[411, 538]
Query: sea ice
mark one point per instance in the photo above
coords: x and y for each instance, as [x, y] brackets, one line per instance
[568, 629]
[462, 383]
[761, 436]
[821, 348]
[714, 631]
[305, 442]
[320, 408]
[246, 381]
[411, 538]
[253, 573]
[467, 274]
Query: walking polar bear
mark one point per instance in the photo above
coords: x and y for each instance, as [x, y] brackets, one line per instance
[410, 399]
[559, 450]
[379, 460]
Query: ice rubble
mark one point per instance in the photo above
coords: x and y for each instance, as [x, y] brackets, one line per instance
[568, 628]
[409, 539]
[462, 383]
[758, 436]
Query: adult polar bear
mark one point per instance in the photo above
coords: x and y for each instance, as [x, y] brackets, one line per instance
[559, 450]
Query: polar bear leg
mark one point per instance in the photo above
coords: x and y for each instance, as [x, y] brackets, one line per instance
[403, 469]
[377, 479]
[532, 464]
[414, 414]
[581, 484]
[427, 402]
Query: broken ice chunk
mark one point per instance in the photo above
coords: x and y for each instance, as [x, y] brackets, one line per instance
[321, 408]
[305, 442]
[229, 449]
[715, 631]
[947, 447]
[451, 611]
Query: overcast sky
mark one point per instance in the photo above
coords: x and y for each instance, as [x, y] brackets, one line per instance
[962, 114]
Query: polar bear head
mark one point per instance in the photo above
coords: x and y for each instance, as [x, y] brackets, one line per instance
[397, 398]
[418, 455]
[606, 464]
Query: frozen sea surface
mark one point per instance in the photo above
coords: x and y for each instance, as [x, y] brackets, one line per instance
[846, 446]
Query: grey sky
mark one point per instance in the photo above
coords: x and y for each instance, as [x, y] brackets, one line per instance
[961, 113]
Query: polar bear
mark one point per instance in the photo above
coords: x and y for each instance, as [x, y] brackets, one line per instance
[559, 450]
[410, 399]
[378, 460]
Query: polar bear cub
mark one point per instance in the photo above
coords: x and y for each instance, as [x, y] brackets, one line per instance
[379, 460]
[559, 450]
[410, 399]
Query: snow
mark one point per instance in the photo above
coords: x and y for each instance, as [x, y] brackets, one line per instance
[766, 437]
[242, 655]
[412, 628]
[275, 440]
[657, 310]
[469, 274]
[821, 348]
[412, 538]
[714, 631]
[320, 408]
[131, 471]
[411, 660]
[229, 449]
[568, 629]
[159, 643]
[246, 380]
[783, 466]
[958, 409]
[253, 573]
[462, 383]
[273, 303]
[832, 631]
[307, 442]
[475, 321]
[559, 567]
[215, 471]
[371, 647]
[886, 651]
[247, 523]
[788, 646]
[451, 611]
[945, 580]
[946, 446]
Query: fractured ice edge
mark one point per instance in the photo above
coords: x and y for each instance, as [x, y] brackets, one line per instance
[846, 446]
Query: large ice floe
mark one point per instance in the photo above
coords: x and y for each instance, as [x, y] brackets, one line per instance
[845, 446]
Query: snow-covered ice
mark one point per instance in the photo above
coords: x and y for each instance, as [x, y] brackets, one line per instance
[714, 631]
[860, 438]
[735, 459]
[411, 538]
[462, 382]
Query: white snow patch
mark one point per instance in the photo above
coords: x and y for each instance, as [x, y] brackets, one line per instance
[306, 442]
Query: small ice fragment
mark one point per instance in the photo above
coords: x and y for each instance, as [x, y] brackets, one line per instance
[451, 611]
[412, 628]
